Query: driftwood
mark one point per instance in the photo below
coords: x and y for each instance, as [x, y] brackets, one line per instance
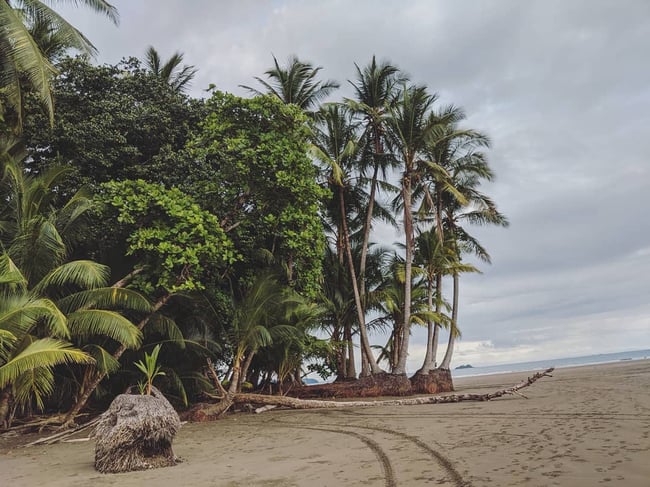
[213, 411]
[62, 435]
[136, 433]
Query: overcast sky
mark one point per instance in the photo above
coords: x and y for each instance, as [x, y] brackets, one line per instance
[561, 87]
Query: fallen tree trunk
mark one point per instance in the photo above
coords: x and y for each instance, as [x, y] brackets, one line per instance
[211, 411]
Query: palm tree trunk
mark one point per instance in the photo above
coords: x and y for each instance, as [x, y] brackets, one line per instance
[5, 397]
[366, 232]
[244, 370]
[436, 327]
[96, 378]
[446, 362]
[351, 371]
[427, 365]
[408, 271]
[365, 344]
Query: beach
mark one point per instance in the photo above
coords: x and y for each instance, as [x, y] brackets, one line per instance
[584, 426]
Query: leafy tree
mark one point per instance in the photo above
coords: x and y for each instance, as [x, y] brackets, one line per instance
[251, 168]
[113, 123]
[176, 246]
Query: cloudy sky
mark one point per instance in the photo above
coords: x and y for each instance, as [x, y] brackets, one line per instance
[563, 90]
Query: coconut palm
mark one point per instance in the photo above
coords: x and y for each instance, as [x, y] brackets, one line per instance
[48, 312]
[336, 146]
[296, 83]
[171, 72]
[480, 211]
[35, 239]
[410, 128]
[374, 91]
[20, 55]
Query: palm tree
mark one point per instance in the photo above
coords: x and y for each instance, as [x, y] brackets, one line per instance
[374, 90]
[409, 127]
[20, 55]
[336, 146]
[36, 239]
[295, 84]
[53, 313]
[434, 257]
[170, 72]
[481, 210]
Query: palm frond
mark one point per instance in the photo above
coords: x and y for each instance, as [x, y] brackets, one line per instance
[82, 273]
[105, 298]
[93, 322]
[46, 352]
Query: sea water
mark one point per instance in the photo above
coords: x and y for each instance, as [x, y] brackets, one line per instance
[602, 358]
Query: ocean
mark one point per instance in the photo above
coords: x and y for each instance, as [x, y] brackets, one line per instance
[602, 358]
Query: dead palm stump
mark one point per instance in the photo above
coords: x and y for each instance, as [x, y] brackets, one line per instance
[136, 433]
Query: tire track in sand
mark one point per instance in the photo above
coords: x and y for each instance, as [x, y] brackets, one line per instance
[444, 462]
[381, 455]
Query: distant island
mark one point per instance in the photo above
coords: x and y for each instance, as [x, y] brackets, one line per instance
[466, 366]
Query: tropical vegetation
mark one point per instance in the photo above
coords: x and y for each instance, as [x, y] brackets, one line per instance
[224, 243]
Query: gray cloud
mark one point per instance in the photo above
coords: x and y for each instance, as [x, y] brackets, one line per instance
[563, 90]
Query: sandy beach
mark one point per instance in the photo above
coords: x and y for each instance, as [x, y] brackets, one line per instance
[585, 426]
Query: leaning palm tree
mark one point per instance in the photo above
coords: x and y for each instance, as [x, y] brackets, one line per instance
[296, 83]
[336, 146]
[171, 72]
[20, 55]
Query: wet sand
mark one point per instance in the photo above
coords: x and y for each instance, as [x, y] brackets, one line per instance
[585, 426]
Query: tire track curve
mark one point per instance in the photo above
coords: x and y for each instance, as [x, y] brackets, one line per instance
[384, 461]
[445, 463]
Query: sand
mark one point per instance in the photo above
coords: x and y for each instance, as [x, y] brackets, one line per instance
[585, 426]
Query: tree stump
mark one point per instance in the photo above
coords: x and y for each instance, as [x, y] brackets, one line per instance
[436, 381]
[136, 433]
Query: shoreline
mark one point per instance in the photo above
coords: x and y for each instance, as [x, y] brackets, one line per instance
[584, 426]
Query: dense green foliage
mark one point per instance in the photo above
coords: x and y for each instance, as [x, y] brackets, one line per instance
[176, 241]
[255, 174]
[112, 123]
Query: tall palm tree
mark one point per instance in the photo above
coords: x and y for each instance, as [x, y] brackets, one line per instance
[409, 127]
[336, 146]
[374, 90]
[20, 55]
[296, 83]
[480, 210]
[446, 200]
[171, 72]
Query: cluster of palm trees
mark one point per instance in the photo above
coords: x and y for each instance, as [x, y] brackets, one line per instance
[390, 153]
